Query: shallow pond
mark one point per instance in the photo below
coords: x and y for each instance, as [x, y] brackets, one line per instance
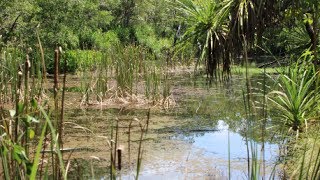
[204, 156]
[193, 140]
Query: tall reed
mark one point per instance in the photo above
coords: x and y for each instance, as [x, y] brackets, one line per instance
[27, 67]
[44, 70]
[253, 162]
[62, 100]
[16, 162]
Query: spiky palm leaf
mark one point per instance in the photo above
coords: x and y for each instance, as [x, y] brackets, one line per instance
[296, 101]
[222, 26]
[206, 20]
[297, 39]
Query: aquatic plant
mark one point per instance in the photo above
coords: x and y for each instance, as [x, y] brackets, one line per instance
[15, 158]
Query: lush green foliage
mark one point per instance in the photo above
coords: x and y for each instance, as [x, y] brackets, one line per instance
[134, 42]
[297, 99]
[215, 29]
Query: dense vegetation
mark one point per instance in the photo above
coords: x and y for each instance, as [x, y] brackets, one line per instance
[215, 29]
[135, 42]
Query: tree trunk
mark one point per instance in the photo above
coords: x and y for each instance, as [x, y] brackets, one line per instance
[313, 35]
[210, 59]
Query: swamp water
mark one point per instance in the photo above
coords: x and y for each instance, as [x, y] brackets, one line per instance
[188, 141]
[204, 157]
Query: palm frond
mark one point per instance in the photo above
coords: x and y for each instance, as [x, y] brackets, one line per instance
[297, 99]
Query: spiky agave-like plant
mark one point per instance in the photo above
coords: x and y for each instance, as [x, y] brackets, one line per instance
[297, 97]
[206, 24]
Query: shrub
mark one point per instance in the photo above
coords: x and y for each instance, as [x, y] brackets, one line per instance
[105, 40]
[76, 60]
[297, 97]
[146, 36]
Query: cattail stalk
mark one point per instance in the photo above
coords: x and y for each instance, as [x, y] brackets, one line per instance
[116, 142]
[56, 83]
[119, 153]
[139, 152]
[26, 95]
[55, 94]
[129, 142]
[44, 72]
[112, 174]
[16, 128]
[148, 120]
[18, 91]
[62, 103]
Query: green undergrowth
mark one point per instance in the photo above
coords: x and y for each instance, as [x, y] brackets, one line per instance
[241, 70]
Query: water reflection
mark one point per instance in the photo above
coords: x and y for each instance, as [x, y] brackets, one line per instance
[206, 157]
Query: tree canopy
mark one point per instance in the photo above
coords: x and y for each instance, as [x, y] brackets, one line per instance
[217, 28]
